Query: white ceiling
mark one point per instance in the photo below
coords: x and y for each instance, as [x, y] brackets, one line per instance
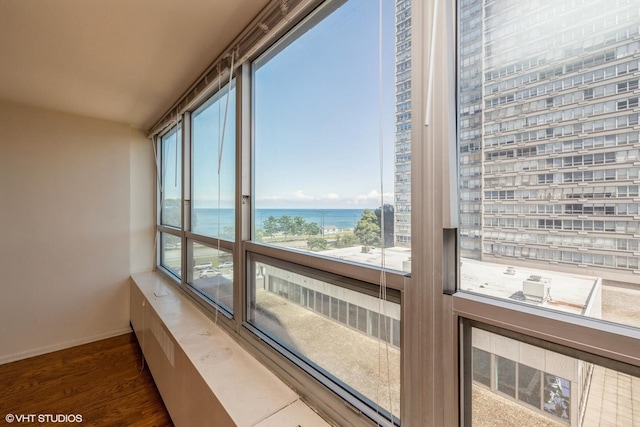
[121, 60]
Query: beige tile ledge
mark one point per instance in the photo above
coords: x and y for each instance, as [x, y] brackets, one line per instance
[244, 392]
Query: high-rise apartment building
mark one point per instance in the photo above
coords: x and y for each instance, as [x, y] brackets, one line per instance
[470, 128]
[402, 176]
[548, 135]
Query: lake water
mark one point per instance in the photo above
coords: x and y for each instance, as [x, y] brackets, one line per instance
[207, 220]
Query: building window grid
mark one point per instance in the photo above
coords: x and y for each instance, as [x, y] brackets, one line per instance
[526, 91]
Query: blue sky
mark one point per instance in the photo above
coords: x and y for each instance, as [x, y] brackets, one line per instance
[208, 123]
[317, 115]
[317, 120]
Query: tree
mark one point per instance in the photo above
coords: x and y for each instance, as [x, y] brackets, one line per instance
[171, 212]
[286, 225]
[388, 223]
[271, 225]
[311, 229]
[367, 230]
[298, 226]
[317, 244]
[346, 240]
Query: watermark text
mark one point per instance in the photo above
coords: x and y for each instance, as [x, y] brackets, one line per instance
[43, 418]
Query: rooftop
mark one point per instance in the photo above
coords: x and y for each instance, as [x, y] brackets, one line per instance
[569, 292]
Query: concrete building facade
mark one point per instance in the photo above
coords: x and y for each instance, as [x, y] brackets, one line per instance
[402, 176]
[548, 136]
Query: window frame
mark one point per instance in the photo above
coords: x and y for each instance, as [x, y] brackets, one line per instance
[436, 318]
[300, 377]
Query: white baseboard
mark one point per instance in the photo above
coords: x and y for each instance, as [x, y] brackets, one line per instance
[61, 346]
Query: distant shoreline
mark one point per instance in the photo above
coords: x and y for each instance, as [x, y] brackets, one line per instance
[342, 219]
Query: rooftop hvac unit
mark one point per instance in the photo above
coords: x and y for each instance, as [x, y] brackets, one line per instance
[534, 288]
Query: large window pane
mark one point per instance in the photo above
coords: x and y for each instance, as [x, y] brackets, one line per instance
[345, 334]
[171, 178]
[325, 117]
[213, 169]
[546, 116]
[553, 389]
[212, 274]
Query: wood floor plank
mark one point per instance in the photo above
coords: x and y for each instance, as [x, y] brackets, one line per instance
[101, 381]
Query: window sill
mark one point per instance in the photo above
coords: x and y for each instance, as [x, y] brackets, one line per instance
[203, 375]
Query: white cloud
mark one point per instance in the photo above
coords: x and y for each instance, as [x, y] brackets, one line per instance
[301, 199]
[299, 195]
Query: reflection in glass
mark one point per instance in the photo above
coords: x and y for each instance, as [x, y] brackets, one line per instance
[212, 274]
[557, 396]
[552, 389]
[171, 178]
[171, 253]
[213, 196]
[349, 335]
[318, 131]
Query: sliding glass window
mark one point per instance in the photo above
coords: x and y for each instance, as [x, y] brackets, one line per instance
[325, 110]
[171, 178]
[213, 166]
[339, 327]
[211, 274]
[325, 115]
[539, 226]
[548, 129]
[170, 206]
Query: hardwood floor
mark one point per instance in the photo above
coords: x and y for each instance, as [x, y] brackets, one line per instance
[99, 381]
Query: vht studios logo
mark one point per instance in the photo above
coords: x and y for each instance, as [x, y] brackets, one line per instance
[43, 418]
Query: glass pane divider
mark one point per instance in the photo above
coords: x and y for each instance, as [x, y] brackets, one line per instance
[612, 341]
[394, 280]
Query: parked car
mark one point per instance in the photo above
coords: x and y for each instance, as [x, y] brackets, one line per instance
[203, 266]
[226, 264]
[209, 273]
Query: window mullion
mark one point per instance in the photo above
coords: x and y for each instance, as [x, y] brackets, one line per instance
[243, 188]
[429, 330]
[186, 193]
[612, 341]
[394, 280]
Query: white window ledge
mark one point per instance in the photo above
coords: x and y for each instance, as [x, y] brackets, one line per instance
[204, 376]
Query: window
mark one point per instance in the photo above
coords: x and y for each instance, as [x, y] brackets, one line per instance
[171, 254]
[505, 371]
[324, 118]
[316, 332]
[171, 178]
[211, 274]
[577, 171]
[322, 127]
[170, 201]
[576, 269]
[309, 265]
[300, 128]
[550, 386]
[213, 168]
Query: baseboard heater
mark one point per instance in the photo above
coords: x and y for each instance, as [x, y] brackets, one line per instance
[205, 378]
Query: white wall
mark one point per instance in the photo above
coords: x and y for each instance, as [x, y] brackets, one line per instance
[142, 188]
[74, 204]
